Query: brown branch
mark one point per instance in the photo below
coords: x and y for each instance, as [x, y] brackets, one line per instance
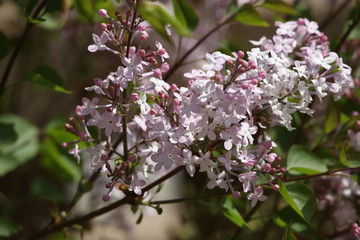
[128, 199]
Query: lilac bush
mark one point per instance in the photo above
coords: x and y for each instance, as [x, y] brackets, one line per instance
[218, 123]
[267, 137]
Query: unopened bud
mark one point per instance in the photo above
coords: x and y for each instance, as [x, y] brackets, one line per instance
[240, 54]
[300, 21]
[161, 51]
[103, 26]
[104, 158]
[267, 145]
[143, 37]
[132, 158]
[142, 52]
[357, 124]
[229, 63]
[275, 187]
[266, 167]
[217, 78]
[164, 67]
[152, 112]
[176, 102]
[157, 72]
[134, 97]
[106, 198]
[252, 64]
[236, 194]
[173, 87]
[103, 13]
[261, 74]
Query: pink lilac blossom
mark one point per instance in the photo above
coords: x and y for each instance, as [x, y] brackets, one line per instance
[217, 124]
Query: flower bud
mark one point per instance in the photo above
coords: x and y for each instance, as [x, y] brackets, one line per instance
[106, 198]
[300, 21]
[267, 145]
[157, 72]
[103, 13]
[164, 67]
[217, 78]
[176, 102]
[142, 52]
[143, 37]
[132, 158]
[104, 158]
[240, 54]
[252, 64]
[236, 194]
[173, 87]
[103, 26]
[134, 97]
[124, 164]
[261, 74]
[275, 187]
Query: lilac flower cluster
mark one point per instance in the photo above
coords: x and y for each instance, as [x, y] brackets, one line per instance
[216, 124]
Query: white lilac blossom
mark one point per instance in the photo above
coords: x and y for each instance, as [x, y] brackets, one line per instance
[218, 123]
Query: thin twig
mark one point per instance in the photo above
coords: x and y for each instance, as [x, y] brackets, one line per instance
[334, 15]
[346, 35]
[178, 63]
[16, 51]
[128, 199]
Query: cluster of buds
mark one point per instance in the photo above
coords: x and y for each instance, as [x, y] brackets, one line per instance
[217, 124]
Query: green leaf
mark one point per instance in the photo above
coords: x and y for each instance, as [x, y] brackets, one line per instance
[159, 17]
[53, 6]
[29, 7]
[85, 9]
[353, 162]
[8, 228]
[228, 210]
[49, 7]
[287, 215]
[342, 153]
[300, 198]
[279, 6]
[8, 134]
[332, 118]
[138, 221]
[287, 197]
[185, 14]
[57, 163]
[5, 46]
[288, 235]
[249, 16]
[24, 148]
[301, 160]
[47, 77]
[45, 188]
